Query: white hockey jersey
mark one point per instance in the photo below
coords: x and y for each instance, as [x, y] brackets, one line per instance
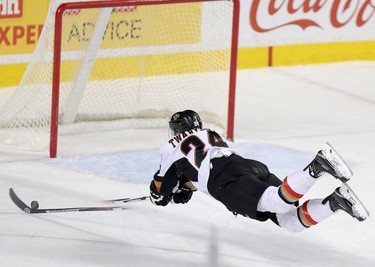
[187, 156]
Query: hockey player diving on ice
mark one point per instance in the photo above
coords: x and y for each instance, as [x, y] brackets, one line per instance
[195, 158]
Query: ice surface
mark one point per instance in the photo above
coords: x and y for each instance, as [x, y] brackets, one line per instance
[283, 117]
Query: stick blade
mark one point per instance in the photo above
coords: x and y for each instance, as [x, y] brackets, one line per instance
[19, 203]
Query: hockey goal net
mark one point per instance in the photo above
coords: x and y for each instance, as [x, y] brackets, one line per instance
[125, 64]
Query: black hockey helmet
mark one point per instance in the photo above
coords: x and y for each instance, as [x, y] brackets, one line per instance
[183, 121]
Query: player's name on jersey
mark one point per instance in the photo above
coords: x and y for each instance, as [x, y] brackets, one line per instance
[178, 138]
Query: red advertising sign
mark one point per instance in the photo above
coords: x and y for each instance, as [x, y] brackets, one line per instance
[11, 8]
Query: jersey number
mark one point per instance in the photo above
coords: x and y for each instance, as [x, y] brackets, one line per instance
[195, 143]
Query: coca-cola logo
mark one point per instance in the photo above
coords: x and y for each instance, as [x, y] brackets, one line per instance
[341, 12]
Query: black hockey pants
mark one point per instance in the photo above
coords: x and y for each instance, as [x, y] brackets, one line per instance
[239, 183]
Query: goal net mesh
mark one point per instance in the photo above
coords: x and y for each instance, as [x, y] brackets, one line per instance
[124, 67]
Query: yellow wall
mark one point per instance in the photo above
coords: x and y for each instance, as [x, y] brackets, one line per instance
[306, 54]
[20, 34]
[258, 57]
[11, 74]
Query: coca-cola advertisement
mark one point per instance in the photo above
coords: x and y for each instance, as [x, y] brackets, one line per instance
[281, 22]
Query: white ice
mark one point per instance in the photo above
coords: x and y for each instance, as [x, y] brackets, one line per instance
[283, 117]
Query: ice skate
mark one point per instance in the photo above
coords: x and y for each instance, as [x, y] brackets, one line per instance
[329, 161]
[343, 198]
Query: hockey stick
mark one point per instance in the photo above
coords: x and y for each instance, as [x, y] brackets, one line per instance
[34, 207]
[126, 200]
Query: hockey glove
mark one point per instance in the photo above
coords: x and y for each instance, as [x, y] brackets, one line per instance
[156, 198]
[182, 196]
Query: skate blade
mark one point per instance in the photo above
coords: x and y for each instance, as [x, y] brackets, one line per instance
[337, 162]
[359, 209]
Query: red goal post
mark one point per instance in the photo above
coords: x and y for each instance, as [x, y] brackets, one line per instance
[166, 54]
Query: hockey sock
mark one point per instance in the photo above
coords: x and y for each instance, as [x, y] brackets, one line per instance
[312, 212]
[308, 214]
[270, 201]
[295, 186]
